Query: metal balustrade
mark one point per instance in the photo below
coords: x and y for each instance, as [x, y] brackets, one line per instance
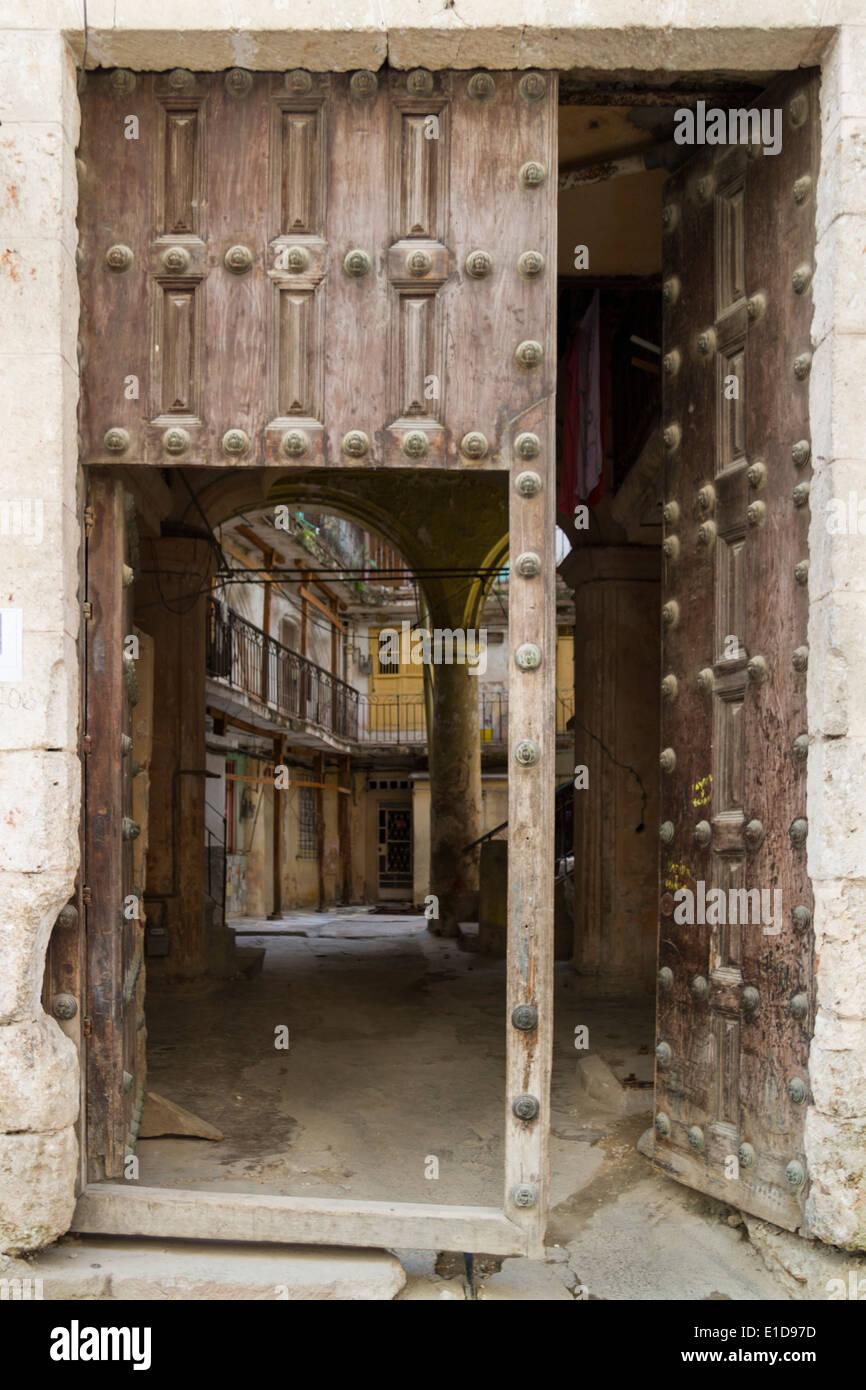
[290, 684]
[259, 665]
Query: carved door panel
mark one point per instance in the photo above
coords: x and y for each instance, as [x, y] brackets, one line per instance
[307, 268]
[346, 270]
[113, 930]
[735, 1000]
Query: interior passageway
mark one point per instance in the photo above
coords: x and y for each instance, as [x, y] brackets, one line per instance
[395, 1063]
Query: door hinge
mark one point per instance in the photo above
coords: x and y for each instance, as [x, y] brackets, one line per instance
[87, 609]
[87, 744]
[87, 897]
[87, 1027]
[89, 520]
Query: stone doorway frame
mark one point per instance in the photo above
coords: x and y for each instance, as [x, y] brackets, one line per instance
[42, 745]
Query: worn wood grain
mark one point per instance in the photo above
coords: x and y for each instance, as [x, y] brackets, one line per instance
[115, 1052]
[532, 702]
[300, 178]
[114, 1209]
[736, 235]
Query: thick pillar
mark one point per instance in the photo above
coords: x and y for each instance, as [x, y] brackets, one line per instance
[455, 796]
[616, 717]
[167, 610]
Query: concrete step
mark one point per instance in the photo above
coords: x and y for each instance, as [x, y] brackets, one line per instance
[99, 1267]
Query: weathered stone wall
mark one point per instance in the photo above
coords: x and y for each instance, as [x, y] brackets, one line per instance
[836, 788]
[39, 769]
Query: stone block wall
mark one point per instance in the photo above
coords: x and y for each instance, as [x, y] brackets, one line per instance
[40, 778]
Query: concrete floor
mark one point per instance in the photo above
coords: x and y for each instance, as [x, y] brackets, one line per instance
[397, 1052]
[397, 1044]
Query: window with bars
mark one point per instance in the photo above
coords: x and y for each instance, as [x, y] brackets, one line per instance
[307, 823]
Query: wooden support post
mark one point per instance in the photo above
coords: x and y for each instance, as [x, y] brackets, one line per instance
[335, 650]
[305, 615]
[531, 779]
[107, 719]
[320, 827]
[277, 912]
[268, 556]
[344, 822]
[161, 1213]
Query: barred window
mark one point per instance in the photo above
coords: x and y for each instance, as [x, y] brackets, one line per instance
[307, 825]
[388, 660]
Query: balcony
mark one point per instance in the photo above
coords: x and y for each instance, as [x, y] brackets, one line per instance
[275, 676]
[392, 719]
[293, 688]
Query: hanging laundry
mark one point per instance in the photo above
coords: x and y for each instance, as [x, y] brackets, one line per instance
[590, 449]
[567, 492]
[582, 475]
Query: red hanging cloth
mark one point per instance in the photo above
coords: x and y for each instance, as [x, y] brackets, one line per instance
[586, 392]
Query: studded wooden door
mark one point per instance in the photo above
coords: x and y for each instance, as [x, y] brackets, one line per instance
[114, 1025]
[293, 272]
[735, 996]
[316, 268]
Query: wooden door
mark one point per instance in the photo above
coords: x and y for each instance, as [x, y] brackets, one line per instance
[300, 271]
[297, 269]
[113, 873]
[736, 999]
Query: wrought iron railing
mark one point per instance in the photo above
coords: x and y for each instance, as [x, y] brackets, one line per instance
[287, 682]
[392, 719]
[240, 653]
[402, 718]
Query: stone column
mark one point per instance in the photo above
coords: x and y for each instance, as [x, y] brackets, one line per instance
[40, 773]
[176, 848]
[616, 705]
[455, 796]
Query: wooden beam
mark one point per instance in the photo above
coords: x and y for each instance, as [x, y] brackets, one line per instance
[267, 550]
[240, 724]
[108, 863]
[266, 628]
[344, 823]
[117, 1209]
[320, 584]
[319, 766]
[277, 911]
[323, 786]
[532, 715]
[322, 607]
[305, 618]
[266, 614]
[241, 558]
